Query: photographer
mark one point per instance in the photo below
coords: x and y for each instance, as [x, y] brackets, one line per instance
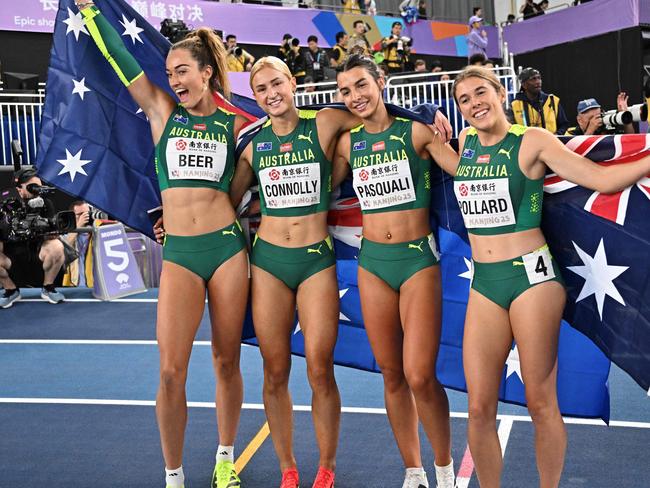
[396, 49]
[316, 59]
[339, 53]
[239, 59]
[296, 61]
[590, 118]
[80, 271]
[47, 250]
[358, 42]
[285, 48]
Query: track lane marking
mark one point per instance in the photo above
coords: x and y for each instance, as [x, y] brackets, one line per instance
[252, 447]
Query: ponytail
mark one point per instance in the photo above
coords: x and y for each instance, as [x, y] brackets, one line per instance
[208, 50]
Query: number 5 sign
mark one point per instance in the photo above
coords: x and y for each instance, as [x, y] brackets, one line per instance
[116, 270]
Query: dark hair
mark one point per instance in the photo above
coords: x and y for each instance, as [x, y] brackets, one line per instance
[477, 58]
[208, 50]
[396, 23]
[231, 36]
[357, 60]
[436, 63]
[312, 38]
[476, 9]
[295, 42]
[286, 36]
[357, 22]
[420, 62]
[340, 35]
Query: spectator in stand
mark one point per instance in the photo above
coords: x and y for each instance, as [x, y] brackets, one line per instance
[285, 48]
[409, 10]
[528, 9]
[422, 10]
[371, 7]
[351, 6]
[542, 7]
[534, 108]
[477, 59]
[358, 40]
[239, 59]
[309, 86]
[420, 65]
[477, 12]
[396, 49]
[436, 66]
[296, 61]
[315, 60]
[477, 41]
[339, 52]
[511, 19]
[445, 77]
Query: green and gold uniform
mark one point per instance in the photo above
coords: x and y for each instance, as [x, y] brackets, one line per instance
[295, 179]
[388, 176]
[495, 197]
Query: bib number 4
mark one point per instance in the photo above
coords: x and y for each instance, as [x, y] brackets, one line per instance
[539, 266]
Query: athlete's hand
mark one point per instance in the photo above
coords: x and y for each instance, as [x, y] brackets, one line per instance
[621, 101]
[442, 126]
[159, 230]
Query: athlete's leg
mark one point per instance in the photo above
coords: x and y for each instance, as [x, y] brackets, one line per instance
[227, 299]
[318, 311]
[181, 301]
[380, 307]
[420, 306]
[274, 308]
[52, 257]
[535, 316]
[486, 343]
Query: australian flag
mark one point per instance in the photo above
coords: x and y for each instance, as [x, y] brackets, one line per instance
[95, 143]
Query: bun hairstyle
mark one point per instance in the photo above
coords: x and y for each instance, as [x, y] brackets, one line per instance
[358, 60]
[207, 49]
[477, 72]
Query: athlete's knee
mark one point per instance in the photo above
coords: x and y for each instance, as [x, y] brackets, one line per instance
[542, 406]
[482, 413]
[321, 376]
[420, 380]
[172, 377]
[226, 367]
[394, 379]
[276, 375]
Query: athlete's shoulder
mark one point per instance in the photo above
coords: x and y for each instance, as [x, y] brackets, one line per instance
[307, 114]
[518, 130]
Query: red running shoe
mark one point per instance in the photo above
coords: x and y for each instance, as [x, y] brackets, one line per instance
[324, 478]
[290, 478]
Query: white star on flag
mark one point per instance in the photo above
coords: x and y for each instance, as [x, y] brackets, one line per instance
[75, 24]
[341, 316]
[599, 277]
[467, 274]
[73, 164]
[131, 29]
[513, 366]
[80, 87]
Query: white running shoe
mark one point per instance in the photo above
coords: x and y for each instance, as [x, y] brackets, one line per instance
[415, 480]
[445, 476]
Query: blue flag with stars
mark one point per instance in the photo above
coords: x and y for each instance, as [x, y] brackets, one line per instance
[95, 143]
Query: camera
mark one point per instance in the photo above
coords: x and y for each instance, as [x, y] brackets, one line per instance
[20, 221]
[95, 214]
[639, 112]
[613, 119]
[402, 43]
[174, 30]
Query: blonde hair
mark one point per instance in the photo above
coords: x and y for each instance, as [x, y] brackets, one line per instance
[269, 62]
[208, 50]
[477, 72]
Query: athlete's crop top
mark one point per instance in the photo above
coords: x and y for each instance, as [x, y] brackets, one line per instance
[197, 152]
[294, 174]
[388, 174]
[494, 196]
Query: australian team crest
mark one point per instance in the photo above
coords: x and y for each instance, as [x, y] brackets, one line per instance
[468, 153]
[180, 119]
[264, 146]
[359, 146]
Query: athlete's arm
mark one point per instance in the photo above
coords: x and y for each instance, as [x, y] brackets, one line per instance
[243, 177]
[340, 166]
[240, 122]
[432, 142]
[540, 146]
[154, 101]
[331, 123]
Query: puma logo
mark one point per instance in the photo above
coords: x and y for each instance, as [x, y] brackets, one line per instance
[314, 251]
[507, 153]
[221, 124]
[396, 138]
[302, 137]
[418, 246]
[230, 232]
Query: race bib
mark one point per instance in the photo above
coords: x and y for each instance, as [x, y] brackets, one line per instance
[297, 185]
[316, 66]
[195, 159]
[384, 185]
[539, 265]
[485, 203]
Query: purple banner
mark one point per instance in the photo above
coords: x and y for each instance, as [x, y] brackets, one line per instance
[116, 270]
[585, 20]
[260, 24]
